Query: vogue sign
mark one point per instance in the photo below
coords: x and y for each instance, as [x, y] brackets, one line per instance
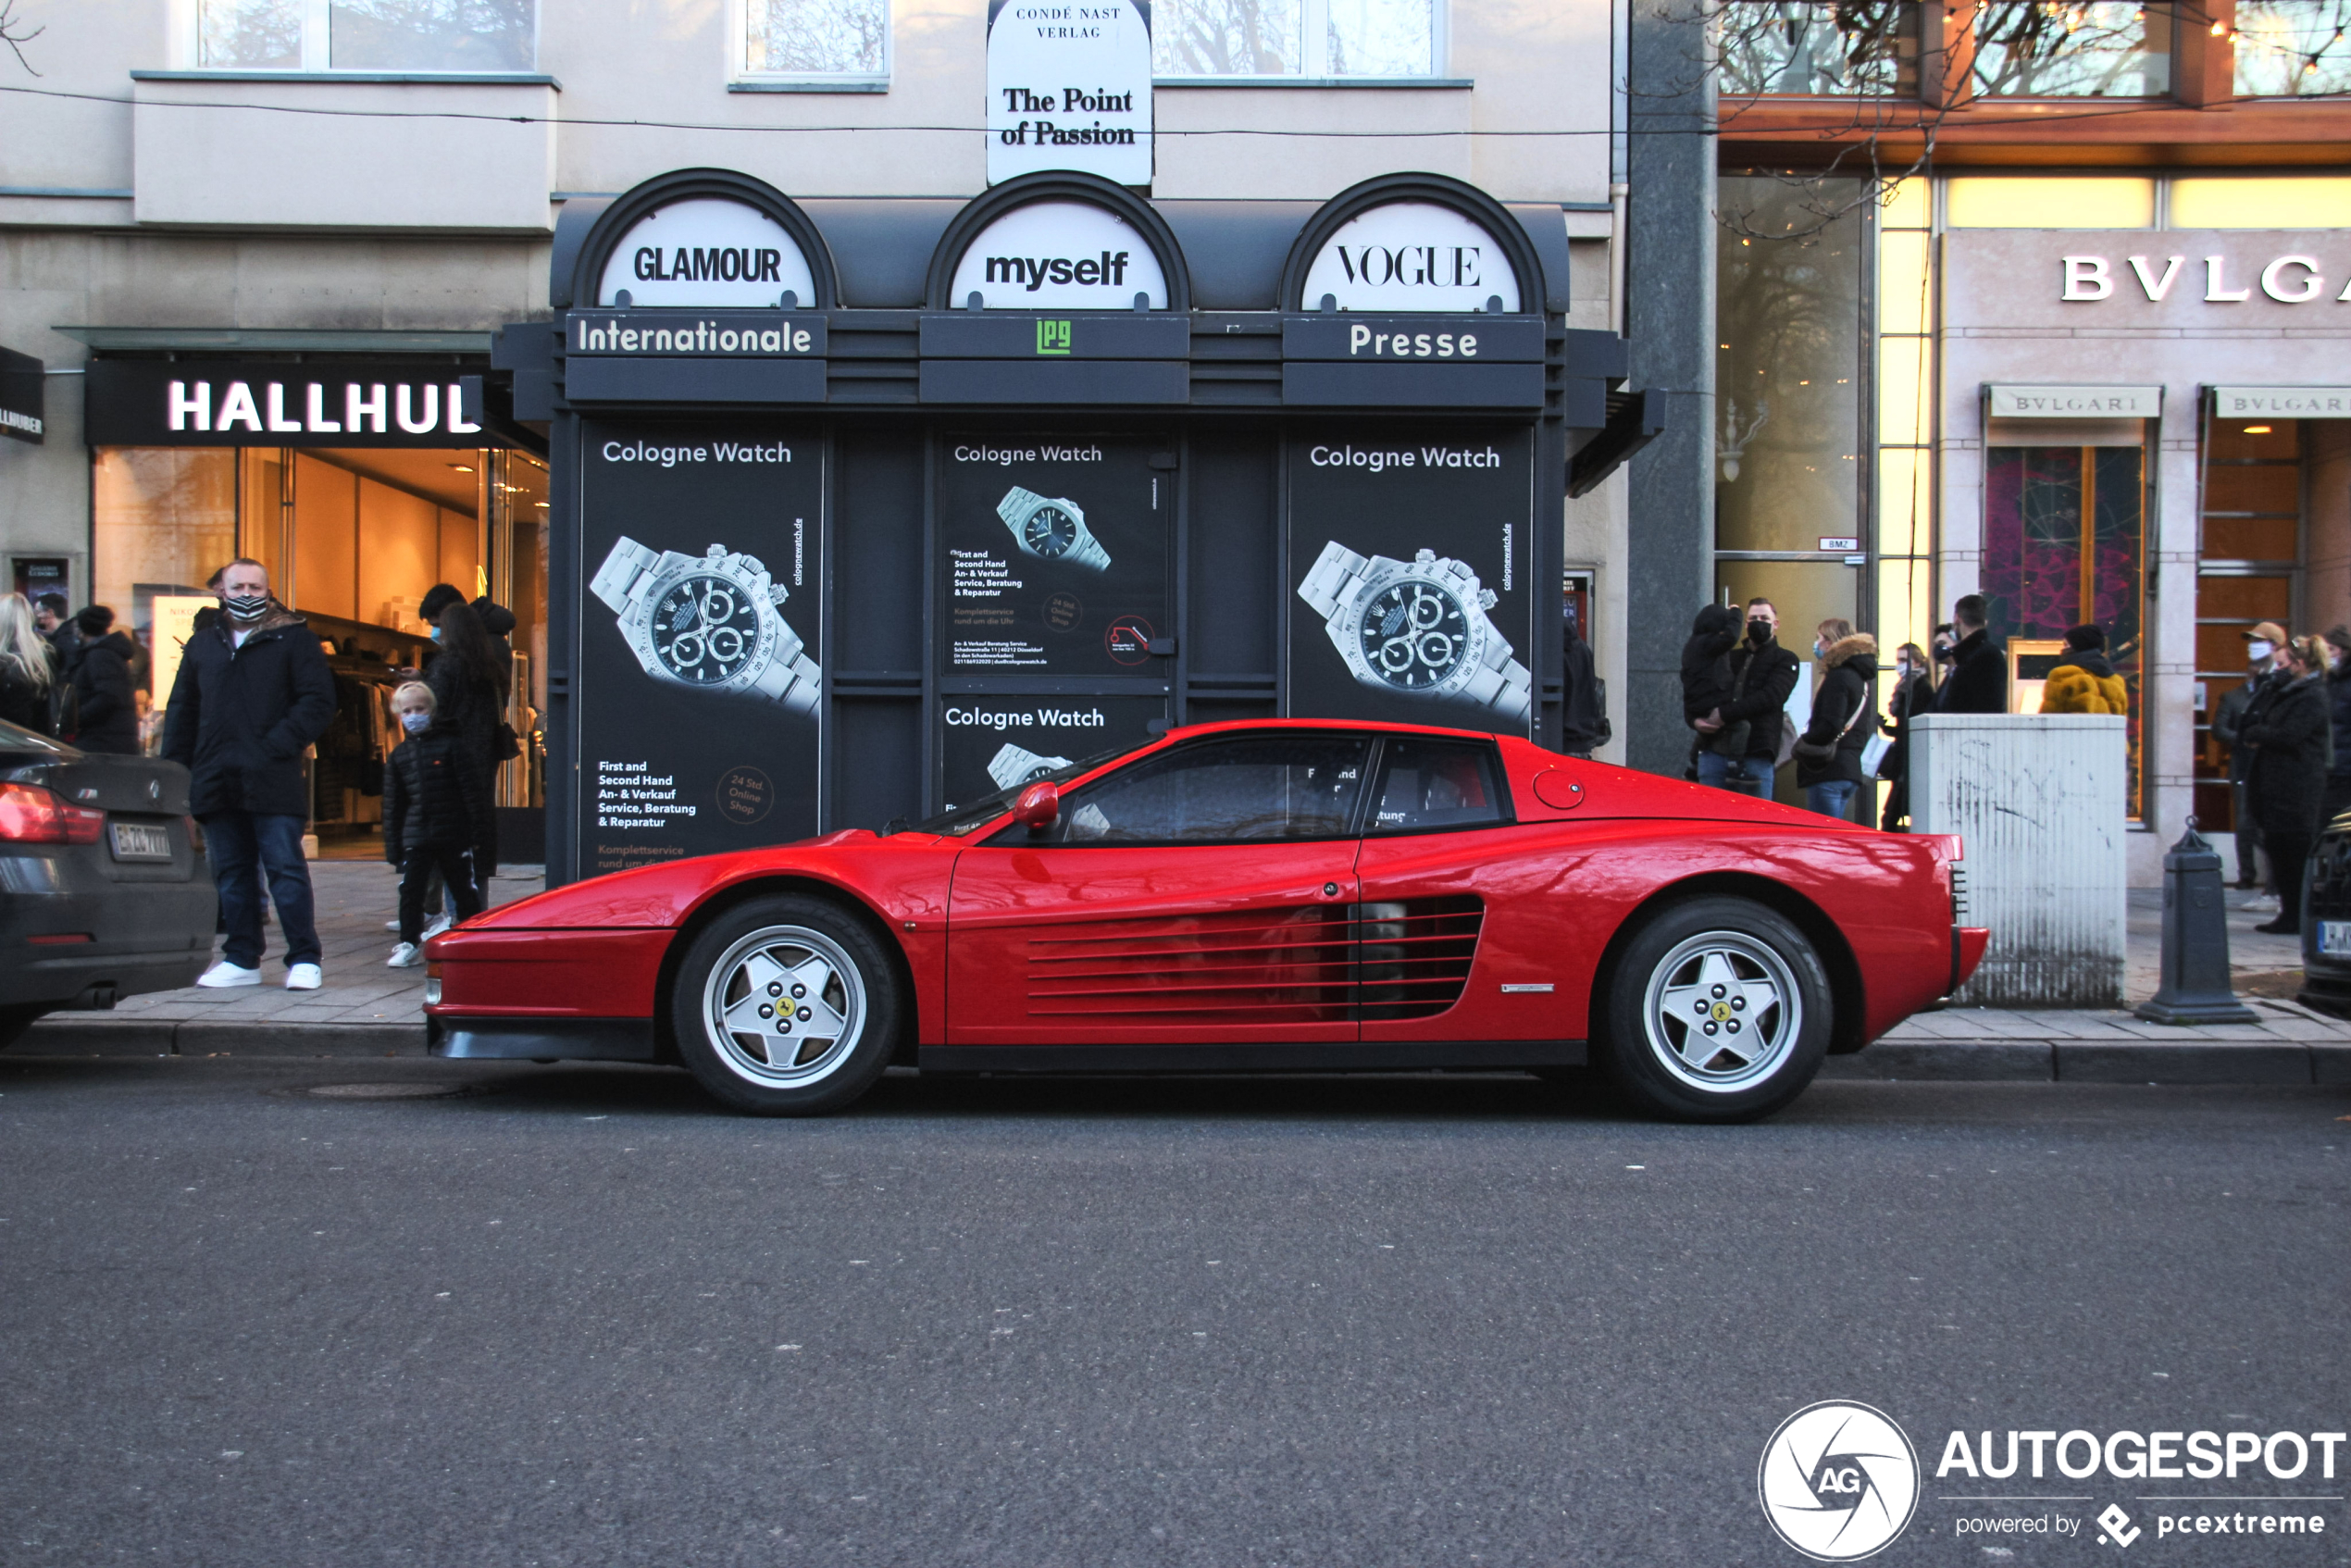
[1411, 256]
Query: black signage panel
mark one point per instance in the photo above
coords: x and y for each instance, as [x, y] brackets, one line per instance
[21, 397]
[715, 335]
[990, 743]
[1409, 562]
[698, 695]
[1055, 553]
[277, 402]
[1000, 334]
[1055, 381]
[668, 379]
[1426, 339]
[1325, 384]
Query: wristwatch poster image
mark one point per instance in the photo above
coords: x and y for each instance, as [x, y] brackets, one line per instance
[700, 692]
[1001, 742]
[1409, 556]
[1056, 552]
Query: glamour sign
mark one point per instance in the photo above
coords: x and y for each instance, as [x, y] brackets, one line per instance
[1411, 256]
[1069, 87]
[708, 252]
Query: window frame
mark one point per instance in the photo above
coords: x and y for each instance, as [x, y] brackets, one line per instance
[1012, 835]
[741, 77]
[317, 48]
[1314, 58]
[1496, 780]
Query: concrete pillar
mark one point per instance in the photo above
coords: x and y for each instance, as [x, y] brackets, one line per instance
[1669, 319]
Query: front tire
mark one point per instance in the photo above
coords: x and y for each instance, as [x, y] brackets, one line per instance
[1718, 1011]
[786, 1006]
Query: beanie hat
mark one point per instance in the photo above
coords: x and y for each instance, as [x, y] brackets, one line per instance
[2086, 636]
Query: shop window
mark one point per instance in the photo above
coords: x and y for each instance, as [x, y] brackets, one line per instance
[2065, 544]
[1300, 38]
[2309, 202]
[2293, 48]
[2072, 49]
[814, 41]
[367, 35]
[2036, 202]
[1834, 49]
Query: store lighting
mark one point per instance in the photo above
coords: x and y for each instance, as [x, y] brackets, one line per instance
[2256, 429]
[462, 467]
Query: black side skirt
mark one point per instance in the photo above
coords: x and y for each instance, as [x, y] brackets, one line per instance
[1344, 1056]
[576, 1039]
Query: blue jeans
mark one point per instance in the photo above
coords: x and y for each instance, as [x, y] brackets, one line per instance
[1748, 776]
[242, 847]
[1832, 799]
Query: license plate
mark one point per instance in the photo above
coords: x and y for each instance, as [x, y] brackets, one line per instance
[2334, 938]
[137, 840]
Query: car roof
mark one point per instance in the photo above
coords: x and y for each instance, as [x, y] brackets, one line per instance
[1383, 727]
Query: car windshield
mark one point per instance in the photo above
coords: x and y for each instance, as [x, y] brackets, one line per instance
[14, 738]
[957, 821]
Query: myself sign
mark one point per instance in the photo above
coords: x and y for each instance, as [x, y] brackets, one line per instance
[1069, 87]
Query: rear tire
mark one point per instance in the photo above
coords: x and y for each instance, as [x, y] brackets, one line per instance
[1718, 1011]
[787, 1006]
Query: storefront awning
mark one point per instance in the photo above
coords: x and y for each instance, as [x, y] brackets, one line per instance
[1633, 422]
[2073, 402]
[2281, 402]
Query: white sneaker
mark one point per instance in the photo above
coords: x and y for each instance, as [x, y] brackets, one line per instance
[227, 974]
[303, 977]
[392, 924]
[2266, 905]
[407, 955]
[434, 927]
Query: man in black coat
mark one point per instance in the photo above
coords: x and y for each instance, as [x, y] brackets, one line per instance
[1978, 679]
[2290, 735]
[1763, 675]
[254, 692]
[106, 705]
[1583, 712]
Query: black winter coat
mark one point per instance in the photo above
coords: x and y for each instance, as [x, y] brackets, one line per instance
[1582, 720]
[21, 702]
[2230, 719]
[1706, 661]
[1764, 696]
[240, 717]
[1851, 681]
[431, 795]
[1911, 698]
[2339, 710]
[107, 710]
[2291, 738]
[470, 710]
[1979, 679]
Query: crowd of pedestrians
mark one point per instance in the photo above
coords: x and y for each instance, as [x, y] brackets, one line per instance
[2288, 731]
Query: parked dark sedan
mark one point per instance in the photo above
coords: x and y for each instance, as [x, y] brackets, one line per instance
[104, 892]
[2326, 922]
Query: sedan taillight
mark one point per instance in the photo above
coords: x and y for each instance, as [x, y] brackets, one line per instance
[30, 814]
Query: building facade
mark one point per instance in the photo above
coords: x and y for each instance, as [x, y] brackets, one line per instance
[2047, 303]
[259, 247]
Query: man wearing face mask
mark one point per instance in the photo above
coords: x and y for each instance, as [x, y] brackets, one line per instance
[253, 693]
[1762, 674]
[1979, 679]
[2229, 722]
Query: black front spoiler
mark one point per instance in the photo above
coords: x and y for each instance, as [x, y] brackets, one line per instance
[542, 1039]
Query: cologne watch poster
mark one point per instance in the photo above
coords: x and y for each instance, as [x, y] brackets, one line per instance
[1054, 554]
[699, 691]
[992, 743]
[1408, 555]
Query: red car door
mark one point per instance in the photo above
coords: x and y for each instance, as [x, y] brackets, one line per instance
[1199, 894]
[1454, 937]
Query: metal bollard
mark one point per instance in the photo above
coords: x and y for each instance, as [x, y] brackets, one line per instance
[2196, 942]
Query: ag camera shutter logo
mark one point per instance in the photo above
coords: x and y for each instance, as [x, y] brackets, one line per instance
[1838, 1481]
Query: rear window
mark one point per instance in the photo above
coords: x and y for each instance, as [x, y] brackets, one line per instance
[14, 738]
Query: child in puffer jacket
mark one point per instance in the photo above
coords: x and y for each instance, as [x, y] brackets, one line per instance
[435, 809]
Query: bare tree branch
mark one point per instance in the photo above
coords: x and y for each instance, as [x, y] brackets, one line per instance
[13, 33]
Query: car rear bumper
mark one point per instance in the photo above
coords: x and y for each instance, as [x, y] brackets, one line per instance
[144, 936]
[2326, 985]
[472, 1037]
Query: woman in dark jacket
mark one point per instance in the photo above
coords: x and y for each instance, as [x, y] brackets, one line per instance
[2292, 738]
[1913, 695]
[28, 668]
[468, 683]
[107, 703]
[1844, 717]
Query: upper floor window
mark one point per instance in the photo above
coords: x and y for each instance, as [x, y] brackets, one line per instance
[1300, 38]
[1823, 48]
[814, 41]
[2072, 49]
[367, 35]
[2293, 48]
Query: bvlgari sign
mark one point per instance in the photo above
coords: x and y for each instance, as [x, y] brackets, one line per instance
[1069, 87]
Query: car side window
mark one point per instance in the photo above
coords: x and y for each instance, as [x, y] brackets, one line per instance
[1247, 789]
[1426, 785]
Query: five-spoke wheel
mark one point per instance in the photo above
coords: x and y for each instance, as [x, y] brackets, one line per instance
[1718, 1011]
[786, 1005]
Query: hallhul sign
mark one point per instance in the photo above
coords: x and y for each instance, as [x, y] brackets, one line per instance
[1069, 87]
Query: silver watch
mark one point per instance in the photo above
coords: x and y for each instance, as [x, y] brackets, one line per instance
[1051, 529]
[709, 622]
[1017, 764]
[1418, 627]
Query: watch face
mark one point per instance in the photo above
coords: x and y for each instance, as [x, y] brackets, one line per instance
[705, 628]
[1050, 531]
[1413, 634]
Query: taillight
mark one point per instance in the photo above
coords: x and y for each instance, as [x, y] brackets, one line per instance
[30, 814]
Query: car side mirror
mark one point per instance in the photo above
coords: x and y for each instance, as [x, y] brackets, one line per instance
[1039, 807]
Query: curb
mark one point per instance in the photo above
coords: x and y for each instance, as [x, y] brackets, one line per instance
[259, 1036]
[2102, 1061]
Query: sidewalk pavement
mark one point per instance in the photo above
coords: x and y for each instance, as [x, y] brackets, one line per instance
[365, 1009]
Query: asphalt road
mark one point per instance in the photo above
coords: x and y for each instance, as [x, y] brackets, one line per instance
[576, 1317]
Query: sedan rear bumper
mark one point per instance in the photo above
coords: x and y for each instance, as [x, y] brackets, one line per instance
[145, 936]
